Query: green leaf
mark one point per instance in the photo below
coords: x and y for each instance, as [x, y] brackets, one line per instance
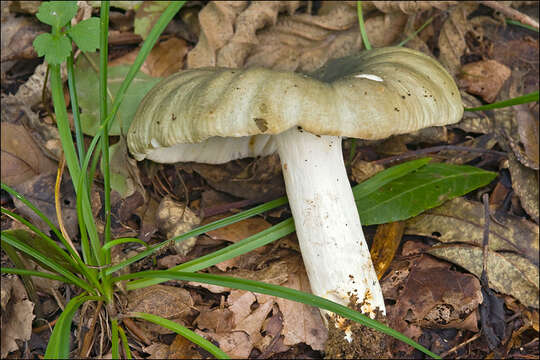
[58, 347]
[418, 191]
[56, 48]
[57, 13]
[88, 90]
[86, 34]
[185, 332]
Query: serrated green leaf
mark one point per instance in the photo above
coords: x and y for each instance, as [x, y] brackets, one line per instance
[418, 191]
[88, 90]
[55, 48]
[57, 13]
[86, 34]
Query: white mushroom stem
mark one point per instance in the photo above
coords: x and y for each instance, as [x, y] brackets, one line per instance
[334, 250]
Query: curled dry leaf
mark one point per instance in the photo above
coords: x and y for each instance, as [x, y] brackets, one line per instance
[407, 7]
[233, 35]
[431, 295]
[451, 41]
[525, 184]
[17, 314]
[507, 274]
[527, 124]
[254, 179]
[174, 219]
[22, 159]
[169, 302]
[460, 220]
[484, 78]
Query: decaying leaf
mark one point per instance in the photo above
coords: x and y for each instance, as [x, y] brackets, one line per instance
[407, 7]
[432, 295]
[484, 78]
[525, 184]
[233, 34]
[166, 58]
[40, 191]
[17, 314]
[452, 42]
[174, 219]
[363, 170]
[255, 179]
[169, 302]
[18, 33]
[507, 274]
[22, 159]
[460, 220]
[528, 132]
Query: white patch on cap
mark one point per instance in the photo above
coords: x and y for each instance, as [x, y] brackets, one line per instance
[155, 143]
[369, 77]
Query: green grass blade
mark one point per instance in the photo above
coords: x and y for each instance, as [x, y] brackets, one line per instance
[125, 343]
[59, 342]
[103, 71]
[361, 190]
[410, 37]
[531, 97]
[74, 259]
[17, 261]
[62, 122]
[25, 201]
[201, 230]
[282, 292]
[24, 272]
[114, 339]
[116, 242]
[517, 23]
[13, 241]
[185, 332]
[244, 246]
[363, 31]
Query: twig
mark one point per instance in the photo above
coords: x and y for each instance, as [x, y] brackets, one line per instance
[459, 346]
[511, 13]
[433, 149]
[135, 330]
[57, 203]
[89, 336]
[41, 328]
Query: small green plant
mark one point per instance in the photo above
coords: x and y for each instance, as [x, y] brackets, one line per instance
[91, 270]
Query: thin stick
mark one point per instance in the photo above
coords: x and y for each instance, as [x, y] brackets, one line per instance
[459, 346]
[89, 336]
[433, 149]
[511, 13]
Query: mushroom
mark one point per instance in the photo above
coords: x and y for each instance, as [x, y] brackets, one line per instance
[214, 115]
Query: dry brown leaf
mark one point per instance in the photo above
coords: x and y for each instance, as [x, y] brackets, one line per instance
[507, 274]
[254, 179]
[407, 7]
[452, 43]
[304, 42]
[169, 302]
[166, 58]
[525, 184]
[362, 170]
[240, 230]
[484, 78]
[460, 220]
[528, 132]
[157, 351]
[18, 33]
[174, 219]
[17, 314]
[40, 191]
[22, 159]
[182, 348]
[215, 320]
[431, 295]
[236, 344]
[252, 324]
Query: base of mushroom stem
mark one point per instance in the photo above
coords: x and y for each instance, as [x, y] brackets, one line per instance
[349, 339]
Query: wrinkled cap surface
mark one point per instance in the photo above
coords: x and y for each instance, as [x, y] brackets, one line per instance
[217, 115]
